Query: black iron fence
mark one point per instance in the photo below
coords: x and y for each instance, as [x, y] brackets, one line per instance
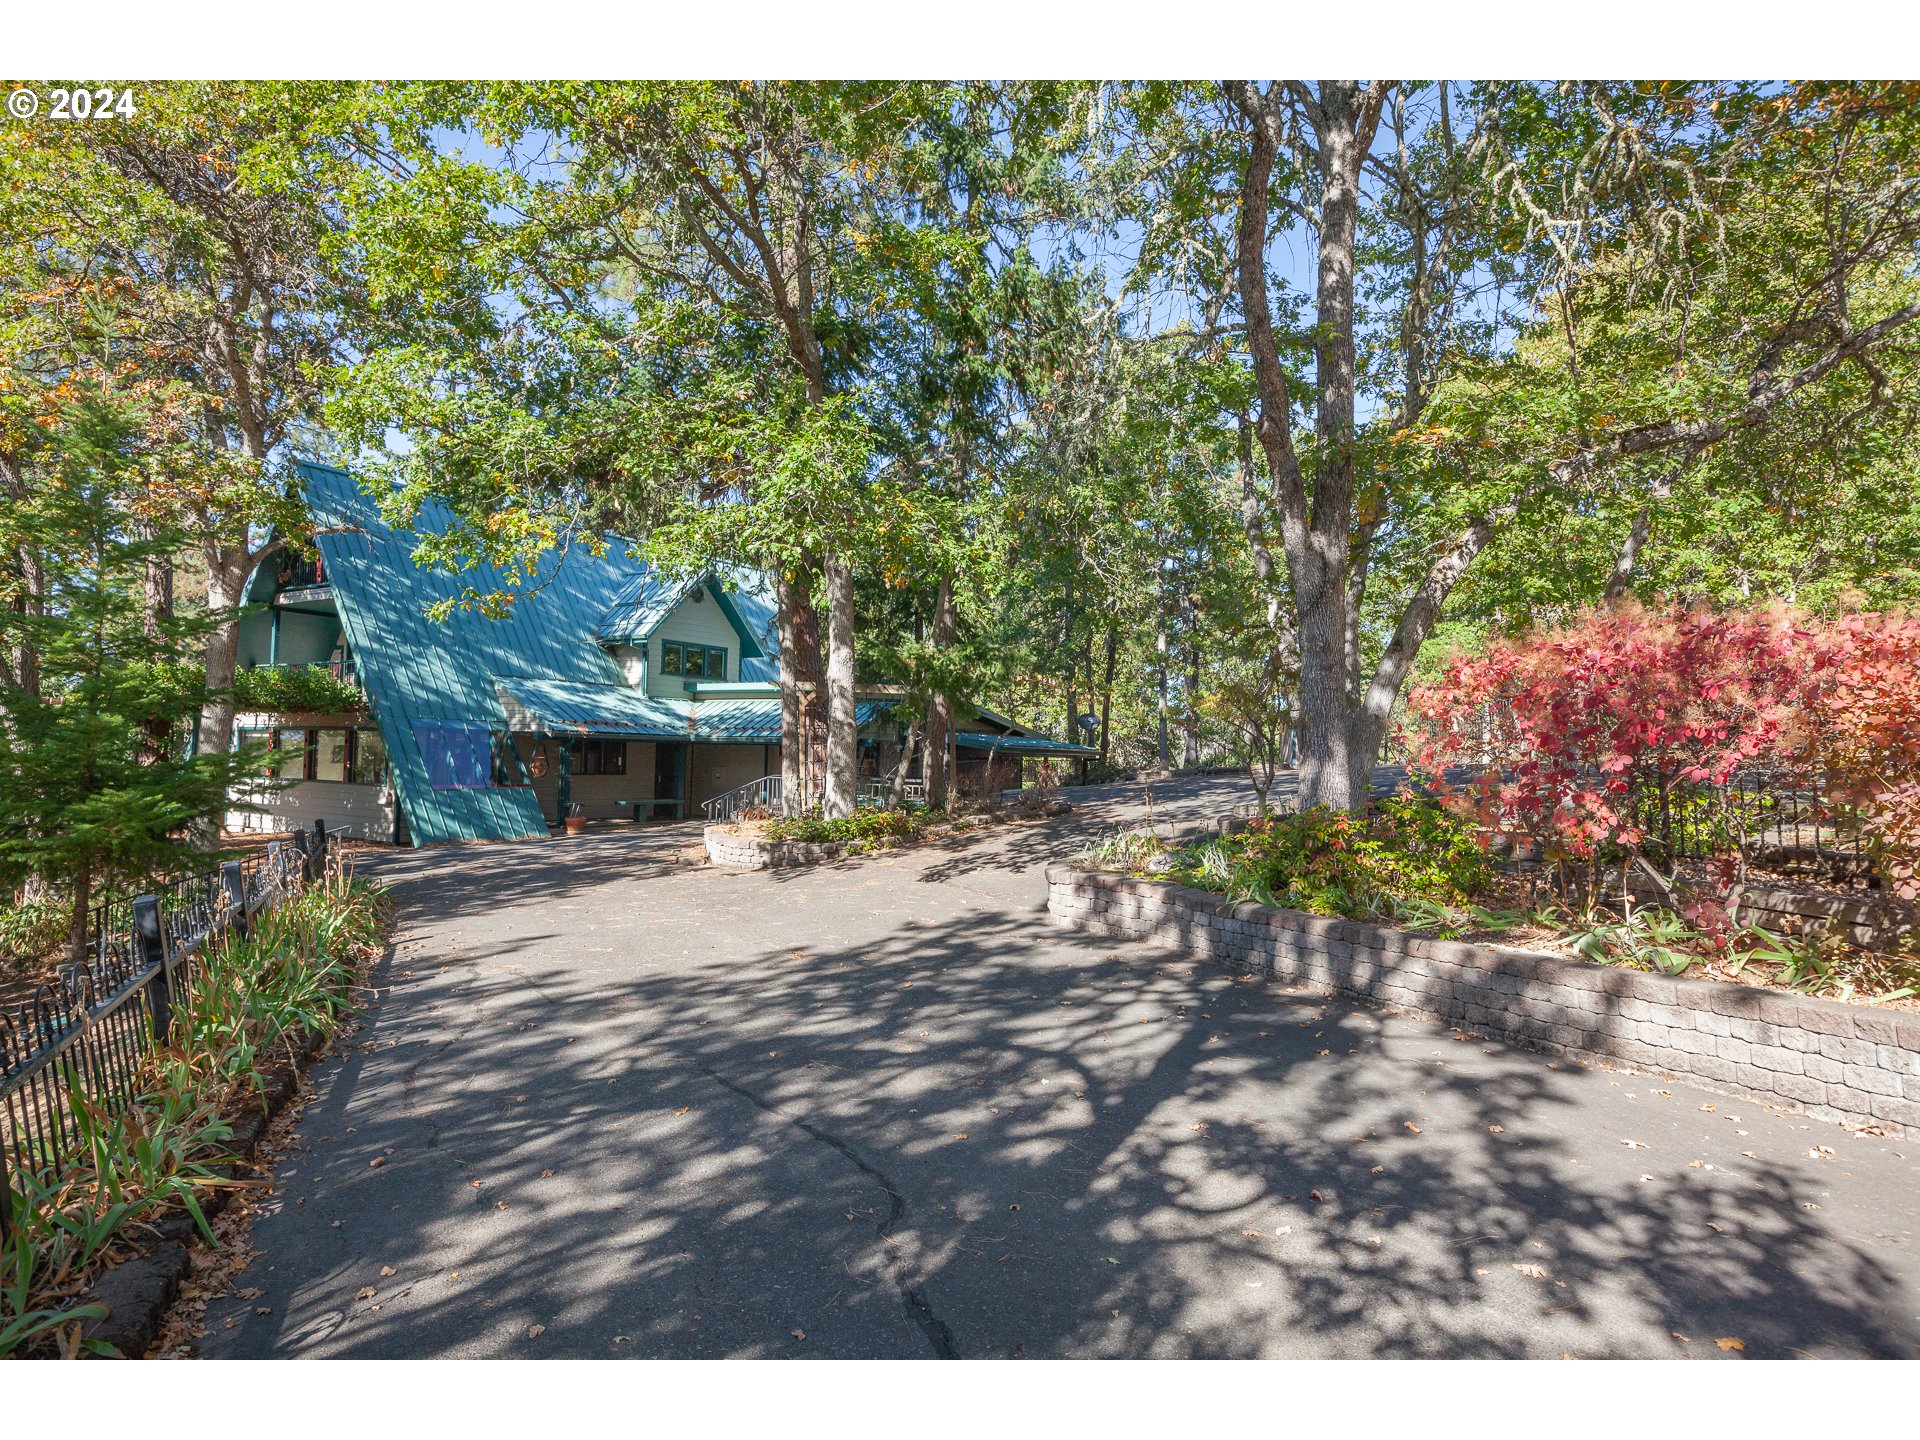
[89, 1033]
[1777, 819]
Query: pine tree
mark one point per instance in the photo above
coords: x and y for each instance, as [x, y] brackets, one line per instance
[87, 802]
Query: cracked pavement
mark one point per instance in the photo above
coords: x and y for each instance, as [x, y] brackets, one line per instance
[604, 1105]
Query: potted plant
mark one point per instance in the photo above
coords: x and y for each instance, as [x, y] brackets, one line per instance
[576, 820]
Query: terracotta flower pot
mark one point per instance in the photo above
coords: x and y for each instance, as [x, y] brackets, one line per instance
[576, 825]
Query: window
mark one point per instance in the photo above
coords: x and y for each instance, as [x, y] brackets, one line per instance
[290, 754]
[369, 765]
[696, 662]
[455, 752]
[327, 750]
[599, 757]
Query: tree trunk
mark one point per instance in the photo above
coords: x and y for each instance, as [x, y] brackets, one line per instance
[793, 728]
[843, 732]
[1106, 695]
[1160, 671]
[77, 921]
[157, 611]
[226, 576]
[939, 737]
[907, 747]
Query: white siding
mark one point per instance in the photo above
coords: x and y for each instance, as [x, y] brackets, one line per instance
[366, 810]
[700, 622]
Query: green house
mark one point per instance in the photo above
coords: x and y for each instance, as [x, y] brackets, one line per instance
[606, 691]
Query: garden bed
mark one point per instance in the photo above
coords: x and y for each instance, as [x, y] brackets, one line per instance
[1412, 865]
[773, 844]
[100, 1235]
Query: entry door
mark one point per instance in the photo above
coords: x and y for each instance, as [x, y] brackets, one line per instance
[670, 773]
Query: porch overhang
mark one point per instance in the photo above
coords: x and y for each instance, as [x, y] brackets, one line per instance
[1022, 745]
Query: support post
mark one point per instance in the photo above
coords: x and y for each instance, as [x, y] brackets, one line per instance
[233, 883]
[319, 866]
[150, 942]
[563, 781]
[300, 844]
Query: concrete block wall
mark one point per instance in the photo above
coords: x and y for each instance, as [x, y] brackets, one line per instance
[1850, 1063]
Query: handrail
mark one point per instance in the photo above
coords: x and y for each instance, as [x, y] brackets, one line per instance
[723, 807]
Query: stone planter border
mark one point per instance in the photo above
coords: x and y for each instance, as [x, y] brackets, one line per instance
[1850, 1063]
[727, 846]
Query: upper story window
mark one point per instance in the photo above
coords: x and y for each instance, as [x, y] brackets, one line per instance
[695, 662]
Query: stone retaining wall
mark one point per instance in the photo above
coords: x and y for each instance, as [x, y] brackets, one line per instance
[749, 852]
[1850, 1063]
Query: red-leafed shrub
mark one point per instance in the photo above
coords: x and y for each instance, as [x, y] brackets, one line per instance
[1574, 723]
[1571, 722]
[1865, 738]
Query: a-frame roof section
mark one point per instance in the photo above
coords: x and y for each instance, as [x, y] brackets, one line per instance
[418, 670]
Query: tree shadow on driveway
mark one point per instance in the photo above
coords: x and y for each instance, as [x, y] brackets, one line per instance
[982, 1137]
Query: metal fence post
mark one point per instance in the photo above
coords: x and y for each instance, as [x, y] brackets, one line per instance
[233, 883]
[150, 943]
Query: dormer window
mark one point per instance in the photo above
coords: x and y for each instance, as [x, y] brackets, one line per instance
[694, 662]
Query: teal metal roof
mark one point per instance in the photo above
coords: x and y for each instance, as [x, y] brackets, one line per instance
[1019, 744]
[745, 722]
[562, 705]
[642, 605]
[421, 670]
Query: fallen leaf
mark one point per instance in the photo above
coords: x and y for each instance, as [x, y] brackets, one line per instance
[534, 1332]
[959, 1134]
[1413, 1127]
[1497, 1129]
[1728, 1342]
[1820, 1152]
[1708, 1108]
[248, 1294]
[1112, 1261]
[376, 1162]
[1635, 1144]
[364, 1293]
[386, 1271]
[798, 1334]
[1532, 1272]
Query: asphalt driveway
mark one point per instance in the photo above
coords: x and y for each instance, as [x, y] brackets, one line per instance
[606, 1105]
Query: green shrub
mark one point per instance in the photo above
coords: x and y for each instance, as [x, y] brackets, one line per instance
[1326, 861]
[31, 930]
[247, 998]
[861, 825]
[296, 690]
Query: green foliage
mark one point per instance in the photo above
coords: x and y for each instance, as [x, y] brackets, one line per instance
[161, 1151]
[1323, 861]
[865, 824]
[296, 690]
[32, 928]
[93, 779]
